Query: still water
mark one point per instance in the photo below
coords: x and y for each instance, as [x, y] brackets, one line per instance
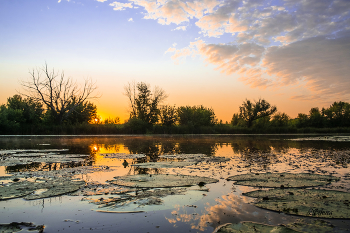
[99, 159]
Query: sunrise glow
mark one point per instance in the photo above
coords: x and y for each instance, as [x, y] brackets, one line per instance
[216, 53]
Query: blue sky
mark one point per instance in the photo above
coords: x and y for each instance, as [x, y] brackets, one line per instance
[295, 54]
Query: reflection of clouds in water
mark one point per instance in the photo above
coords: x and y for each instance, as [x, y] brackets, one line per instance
[180, 214]
[229, 208]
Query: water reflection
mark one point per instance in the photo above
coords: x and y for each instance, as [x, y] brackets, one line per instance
[254, 152]
[228, 208]
[221, 204]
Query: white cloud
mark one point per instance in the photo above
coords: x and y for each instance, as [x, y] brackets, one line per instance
[175, 11]
[321, 62]
[119, 6]
[130, 20]
[101, 0]
[183, 28]
[170, 50]
[311, 36]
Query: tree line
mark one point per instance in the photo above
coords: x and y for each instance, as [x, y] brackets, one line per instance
[51, 103]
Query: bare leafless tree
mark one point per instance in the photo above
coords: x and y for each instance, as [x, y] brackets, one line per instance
[59, 95]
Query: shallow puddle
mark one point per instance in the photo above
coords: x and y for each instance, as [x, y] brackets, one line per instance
[175, 183]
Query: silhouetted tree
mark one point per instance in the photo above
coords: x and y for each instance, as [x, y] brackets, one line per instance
[143, 103]
[168, 115]
[83, 113]
[338, 114]
[109, 120]
[280, 119]
[19, 112]
[250, 112]
[59, 95]
[196, 116]
[237, 121]
[30, 110]
[315, 118]
[302, 120]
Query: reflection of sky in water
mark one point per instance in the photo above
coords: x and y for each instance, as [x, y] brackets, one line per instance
[222, 204]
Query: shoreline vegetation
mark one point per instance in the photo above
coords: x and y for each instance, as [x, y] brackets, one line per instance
[120, 129]
[50, 104]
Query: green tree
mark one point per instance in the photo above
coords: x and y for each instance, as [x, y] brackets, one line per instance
[196, 116]
[315, 118]
[59, 95]
[250, 112]
[19, 112]
[143, 102]
[28, 110]
[112, 121]
[338, 114]
[10, 120]
[302, 120]
[237, 121]
[280, 119]
[83, 113]
[168, 115]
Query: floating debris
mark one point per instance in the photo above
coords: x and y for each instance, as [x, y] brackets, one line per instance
[325, 138]
[146, 200]
[196, 158]
[304, 202]
[252, 227]
[282, 180]
[19, 226]
[8, 152]
[315, 226]
[170, 164]
[97, 189]
[123, 156]
[31, 189]
[186, 160]
[161, 181]
[28, 158]
[183, 156]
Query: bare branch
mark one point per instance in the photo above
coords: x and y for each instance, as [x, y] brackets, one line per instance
[58, 94]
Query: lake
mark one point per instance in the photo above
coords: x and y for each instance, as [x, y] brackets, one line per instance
[166, 192]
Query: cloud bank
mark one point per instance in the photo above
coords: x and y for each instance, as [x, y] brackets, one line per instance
[274, 43]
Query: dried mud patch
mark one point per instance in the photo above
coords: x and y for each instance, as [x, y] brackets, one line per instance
[123, 156]
[161, 181]
[252, 227]
[325, 138]
[182, 160]
[304, 202]
[37, 188]
[315, 226]
[146, 200]
[283, 180]
[24, 157]
[19, 226]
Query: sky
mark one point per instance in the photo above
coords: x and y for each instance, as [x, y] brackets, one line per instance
[217, 53]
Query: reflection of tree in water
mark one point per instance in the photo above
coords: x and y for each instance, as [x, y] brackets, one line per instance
[156, 147]
[150, 148]
[198, 147]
